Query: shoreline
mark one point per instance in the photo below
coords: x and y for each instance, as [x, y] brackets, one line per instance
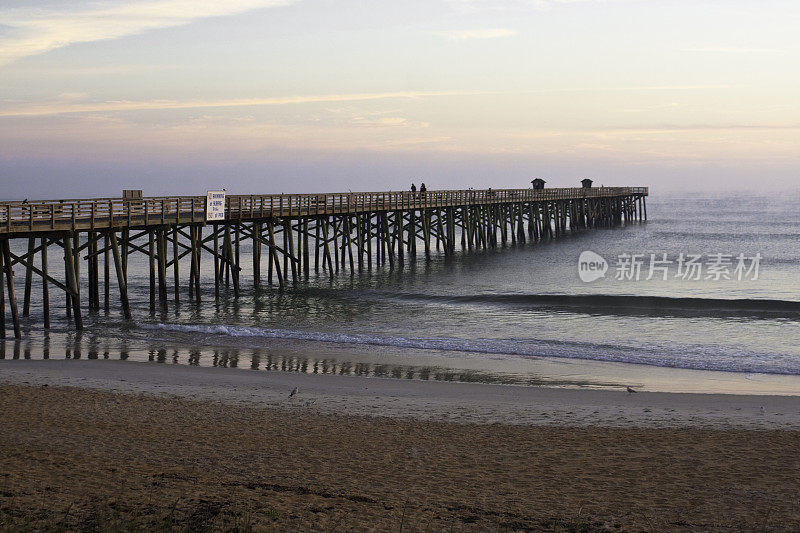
[465, 367]
[438, 401]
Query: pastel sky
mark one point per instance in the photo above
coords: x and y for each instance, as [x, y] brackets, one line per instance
[259, 96]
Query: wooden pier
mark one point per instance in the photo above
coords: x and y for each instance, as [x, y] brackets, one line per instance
[297, 232]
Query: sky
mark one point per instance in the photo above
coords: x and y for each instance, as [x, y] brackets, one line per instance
[270, 96]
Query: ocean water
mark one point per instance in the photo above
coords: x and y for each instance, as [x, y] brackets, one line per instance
[487, 315]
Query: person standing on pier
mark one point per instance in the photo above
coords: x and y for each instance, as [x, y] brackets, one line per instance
[413, 188]
[422, 189]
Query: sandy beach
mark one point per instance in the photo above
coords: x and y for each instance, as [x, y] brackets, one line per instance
[106, 445]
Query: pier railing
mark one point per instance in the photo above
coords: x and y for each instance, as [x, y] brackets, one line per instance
[98, 213]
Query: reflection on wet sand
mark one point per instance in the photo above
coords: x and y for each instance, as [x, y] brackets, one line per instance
[80, 347]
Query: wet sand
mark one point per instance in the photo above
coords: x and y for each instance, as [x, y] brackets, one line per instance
[474, 403]
[300, 356]
[125, 445]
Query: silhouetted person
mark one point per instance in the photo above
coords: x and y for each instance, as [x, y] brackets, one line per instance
[413, 188]
[423, 188]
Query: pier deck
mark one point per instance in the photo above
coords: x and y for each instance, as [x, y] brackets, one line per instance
[19, 218]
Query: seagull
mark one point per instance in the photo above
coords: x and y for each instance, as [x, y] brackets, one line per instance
[294, 391]
[630, 390]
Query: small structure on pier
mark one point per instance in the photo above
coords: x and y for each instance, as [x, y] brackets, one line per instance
[586, 183]
[538, 183]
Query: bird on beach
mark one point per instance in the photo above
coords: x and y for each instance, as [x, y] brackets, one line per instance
[294, 391]
[630, 390]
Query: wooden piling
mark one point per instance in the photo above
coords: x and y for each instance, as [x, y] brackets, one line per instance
[121, 282]
[426, 230]
[198, 254]
[106, 274]
[45, 285]
[360, 242]
[126, 233]
[271, 258]
[72, 281]
[306, 266]
[94, 261]
[152, 262]
[316, 244]
[368, 232]
[274, 253]
[12, 297]
[294, 259]
[162, 267]
[326, 255]
[335, 242]
[2, 298]
[256, 233]
[286, 230]
[398, 223]
[237, 246]
[90, 281]
[176, 275]
[26, 304]
[349, 238]
[217, 265]
[76, 261]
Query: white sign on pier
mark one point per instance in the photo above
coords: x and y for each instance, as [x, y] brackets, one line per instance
[215, 205]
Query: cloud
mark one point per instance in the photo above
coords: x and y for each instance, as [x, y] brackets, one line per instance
[734, 50]
[462, 35]
[387, 122]
[31, 30]
[472, 6]
[707, 127]
[59, 108]
[64, 107]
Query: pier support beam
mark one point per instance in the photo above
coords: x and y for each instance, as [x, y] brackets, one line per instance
[121, 282]
[72, 282]
[45, 285]
[12, 297]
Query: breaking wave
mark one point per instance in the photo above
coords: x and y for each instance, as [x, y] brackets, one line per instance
[620, 303]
